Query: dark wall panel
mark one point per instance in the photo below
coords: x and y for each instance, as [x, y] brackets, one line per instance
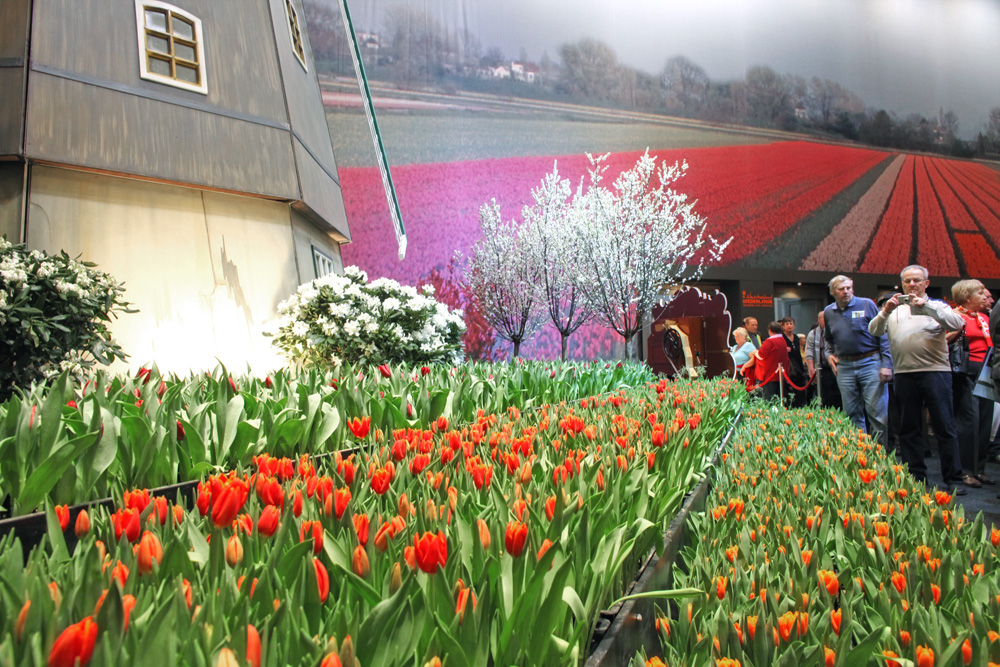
[303, 95]
[320, 194]
[97, 38]
[13, 52]
[80, 124]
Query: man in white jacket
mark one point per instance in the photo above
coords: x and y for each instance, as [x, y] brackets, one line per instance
[922, 373]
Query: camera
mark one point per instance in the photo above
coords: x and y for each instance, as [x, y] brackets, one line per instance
[903, 299]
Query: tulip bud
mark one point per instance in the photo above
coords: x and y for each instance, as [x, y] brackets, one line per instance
[347, 651]
[62, 514]
[253, 646]
[484, 534]
[149, 551]
[331, 660]
[396, 580]
[227, 659]
[430, 511]
[234, 551]
[359, 562]
[23, 616]
[82, 525]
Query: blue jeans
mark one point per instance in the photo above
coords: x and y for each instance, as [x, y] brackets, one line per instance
[862, 391]
[930, 389]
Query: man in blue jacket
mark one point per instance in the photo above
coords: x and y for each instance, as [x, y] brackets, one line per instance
[861, 361]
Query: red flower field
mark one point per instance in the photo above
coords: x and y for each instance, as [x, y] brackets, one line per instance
[758, 194]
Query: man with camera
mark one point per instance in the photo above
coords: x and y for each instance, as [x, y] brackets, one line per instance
[917, 326]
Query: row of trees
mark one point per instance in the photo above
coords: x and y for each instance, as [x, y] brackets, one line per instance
[596, 252]
[414, 49]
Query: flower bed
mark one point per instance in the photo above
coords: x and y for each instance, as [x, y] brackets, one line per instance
[817, 548]
[494, 542]
[75, 444]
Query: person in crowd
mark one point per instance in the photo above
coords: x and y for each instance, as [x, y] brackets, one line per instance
[750, 324]
[743, 348]
[973, 415]
[916, 326]
[796, 370]
[861, 361]
[762, 369]
[818, 366]
[892, 416]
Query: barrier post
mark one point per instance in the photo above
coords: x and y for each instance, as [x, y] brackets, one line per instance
[781, 384]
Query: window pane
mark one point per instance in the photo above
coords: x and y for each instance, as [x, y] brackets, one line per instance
[161, 67]
[185, 52]
[182, 28]
[189, 74]
[156, 19]
[158, 44]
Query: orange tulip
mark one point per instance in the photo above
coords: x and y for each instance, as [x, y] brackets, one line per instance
[82, 525]
[361, 527]
[830, 581]
[904, 638]
[21, 618]
[829, 656]
[835, 617]
[341, 497]
[720, 587]
[128, 604]
[253, 646]
[359, 562]
[149, 551]
[484, 534]
[899, 581]
[268, 522]
[890, 654]
[234, 551]
[545, 547]
[331, 660]
[75, 645]
[228, 501]
[925, 656]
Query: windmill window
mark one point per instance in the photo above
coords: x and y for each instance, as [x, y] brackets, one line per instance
[170, 46]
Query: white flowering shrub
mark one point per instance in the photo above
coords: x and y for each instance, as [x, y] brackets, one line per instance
[54, 312]
[338, 319]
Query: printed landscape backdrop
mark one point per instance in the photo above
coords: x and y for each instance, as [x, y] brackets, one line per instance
[832, 135]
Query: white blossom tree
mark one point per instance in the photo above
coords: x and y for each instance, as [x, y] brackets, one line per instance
[639, 239]
[503, 278]
[549, 232]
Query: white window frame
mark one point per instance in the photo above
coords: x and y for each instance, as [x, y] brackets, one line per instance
[294, 18]
[323, 264]
[140, 24]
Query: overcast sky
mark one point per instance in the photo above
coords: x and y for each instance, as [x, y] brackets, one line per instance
[907, 56]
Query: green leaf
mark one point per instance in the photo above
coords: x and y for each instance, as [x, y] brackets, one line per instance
[45, 476]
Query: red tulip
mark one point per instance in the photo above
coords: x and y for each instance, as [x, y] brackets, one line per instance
[75, 645]
[136, 499]
[128, 604]
[228, 501]
[385, 371]
[126, 521]
[180, 431]
[359, 427]
[340, 499]
[361, 527]
[430, 551]
[62, 514]
[381, 478]
[515, 537]
[322, 579]
[331, 660]
[312, 530]
[268, 521]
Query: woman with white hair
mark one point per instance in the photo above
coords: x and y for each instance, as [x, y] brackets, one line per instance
[973, 415]
[743, 349]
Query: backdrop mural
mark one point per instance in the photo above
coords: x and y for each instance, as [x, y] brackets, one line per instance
[834, 135]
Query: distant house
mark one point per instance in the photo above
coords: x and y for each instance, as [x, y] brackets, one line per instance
[500, 72]
[801, 113]
[525, 72]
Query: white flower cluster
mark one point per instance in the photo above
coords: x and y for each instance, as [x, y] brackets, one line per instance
[53, 313]
[344, 318]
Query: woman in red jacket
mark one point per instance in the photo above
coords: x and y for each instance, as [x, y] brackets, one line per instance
[762, 369]
[973, 415]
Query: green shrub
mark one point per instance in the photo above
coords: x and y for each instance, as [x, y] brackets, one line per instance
[54, 312]
[338, 319]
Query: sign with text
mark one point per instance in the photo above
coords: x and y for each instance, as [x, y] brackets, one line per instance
[751, 300]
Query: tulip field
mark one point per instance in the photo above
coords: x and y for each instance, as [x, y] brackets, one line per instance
[490, 537]
[816, 548]
[787, 202]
